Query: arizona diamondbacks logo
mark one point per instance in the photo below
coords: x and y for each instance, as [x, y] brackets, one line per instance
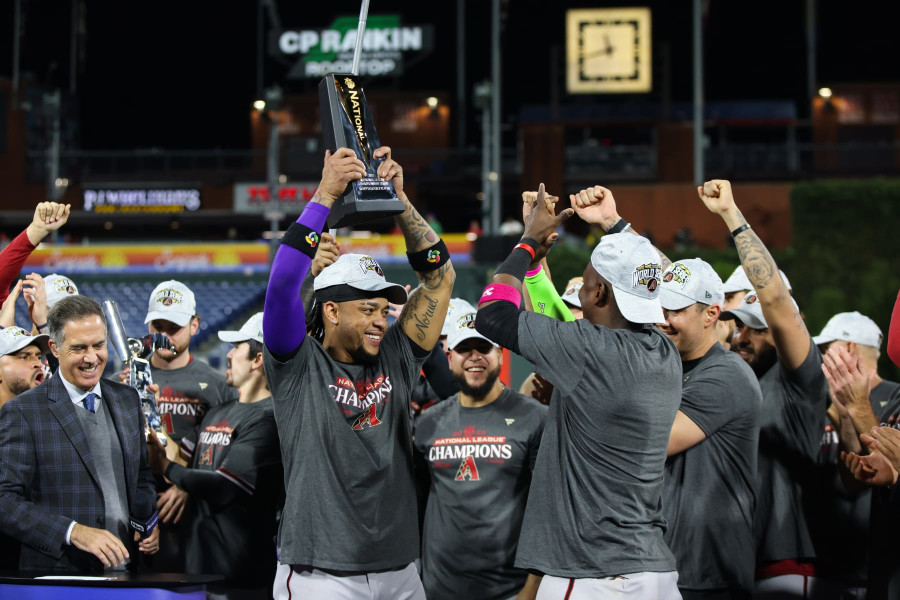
[368, 418]
[467, 470]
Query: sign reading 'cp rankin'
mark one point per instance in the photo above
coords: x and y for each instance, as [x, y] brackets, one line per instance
[386, 43]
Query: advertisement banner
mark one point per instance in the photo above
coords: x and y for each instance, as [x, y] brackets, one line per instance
[289, 198]
[141, 200]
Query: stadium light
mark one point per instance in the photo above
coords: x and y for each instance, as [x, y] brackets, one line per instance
[432, 102]
[825, 93]
[259, 105]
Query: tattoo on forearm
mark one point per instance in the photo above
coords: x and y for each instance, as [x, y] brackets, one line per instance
[422, 317]
[416, 231]
[666, 262]
[433, 279]
[756, 260]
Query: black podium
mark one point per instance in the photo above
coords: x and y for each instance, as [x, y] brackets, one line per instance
[109, 586]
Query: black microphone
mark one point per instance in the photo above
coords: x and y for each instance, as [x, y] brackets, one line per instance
[144, 525]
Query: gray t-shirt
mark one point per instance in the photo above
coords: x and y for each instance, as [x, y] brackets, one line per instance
[480, 461]
[186, 394]
[595, 506]
[346, 445]
[710, 488]
[793, 419]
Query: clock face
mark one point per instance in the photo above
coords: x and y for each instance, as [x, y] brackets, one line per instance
[608, 50]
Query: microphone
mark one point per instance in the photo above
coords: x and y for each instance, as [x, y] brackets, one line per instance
[144, 526]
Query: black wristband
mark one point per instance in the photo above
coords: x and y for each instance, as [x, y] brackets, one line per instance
[42, 327]
[740, 229]
[429, 259]
[516, 264]
[302, 238]
[619, 227]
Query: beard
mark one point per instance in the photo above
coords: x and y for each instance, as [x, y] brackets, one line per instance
[20, 386]
[478, 391]
[361, 357]
[762, 361]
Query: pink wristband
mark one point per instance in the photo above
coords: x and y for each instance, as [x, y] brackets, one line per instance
[535, 272]
[501, 291]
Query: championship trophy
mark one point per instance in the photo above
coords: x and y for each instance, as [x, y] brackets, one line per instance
[347, 122]
[135, 353]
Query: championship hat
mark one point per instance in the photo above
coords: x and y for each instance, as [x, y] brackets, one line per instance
[58, 287]
[570, 296]
[463, 328]
[688, 281]
[457, 306]
[739, 282]
[750, 312]
[631, 265]
[251, 330]
[850, 327]
[172, 301]
[360, 277]
[13, 339]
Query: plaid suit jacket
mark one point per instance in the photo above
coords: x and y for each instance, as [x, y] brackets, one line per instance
[48, 477]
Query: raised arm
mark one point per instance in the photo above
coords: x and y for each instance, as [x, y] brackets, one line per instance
[596, 205]
[48, 216]
[284, 320]
[424, 312]
[788, 329]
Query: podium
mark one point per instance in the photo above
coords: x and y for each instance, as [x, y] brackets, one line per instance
[26, 585]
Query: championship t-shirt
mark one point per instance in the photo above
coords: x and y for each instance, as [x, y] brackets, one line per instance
[187, 393]
[710, 488]
[595, 505]
[346, 444]
[239, 442]
[793, 419]
[480, 461]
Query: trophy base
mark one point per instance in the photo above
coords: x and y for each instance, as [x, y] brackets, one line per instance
[349, 214]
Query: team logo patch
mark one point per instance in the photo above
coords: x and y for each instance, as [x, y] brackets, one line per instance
[647, 275]
[312, 239]
[349, 83]
[677, 273]
[64, 285]
[433, 256]
[668, 277]
[367, 263]
[750, 298]
[468, 470]
[466, 321]
[169, 297]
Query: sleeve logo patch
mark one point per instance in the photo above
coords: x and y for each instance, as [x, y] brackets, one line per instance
[312, 239]
[433, 256]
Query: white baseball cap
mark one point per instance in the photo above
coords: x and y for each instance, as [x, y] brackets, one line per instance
[739, 282]
[463, 328]
[750, 312]
[631, 266]
[13, 339]
[570, 296]
[457, 306]
[362, 273]
[58, 287]
[251, 330]
[172, 301]
[688, 281]
[851, 327]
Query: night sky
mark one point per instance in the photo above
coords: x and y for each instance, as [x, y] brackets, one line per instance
[183, 74]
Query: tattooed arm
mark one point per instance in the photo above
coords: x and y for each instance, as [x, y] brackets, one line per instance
[597, 206]
[788, 329]
[425, 311]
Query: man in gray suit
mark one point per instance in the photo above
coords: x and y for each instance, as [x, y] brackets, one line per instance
[74, 474]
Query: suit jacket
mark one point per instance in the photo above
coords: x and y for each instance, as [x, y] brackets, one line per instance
[48, 477]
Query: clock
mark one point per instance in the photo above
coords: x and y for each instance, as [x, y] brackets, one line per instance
[608, 51]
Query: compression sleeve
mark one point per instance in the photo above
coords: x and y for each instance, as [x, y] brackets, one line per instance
[11, 260]
[499, 322]
[209, 486]
[284, 320]
[437, 372]
[893, 344]
[544, 298]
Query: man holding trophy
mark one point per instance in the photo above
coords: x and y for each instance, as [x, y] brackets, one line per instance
[349, 527]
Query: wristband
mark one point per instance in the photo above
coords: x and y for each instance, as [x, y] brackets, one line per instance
[429, 259]
[619, 227]
[740, 229]
[42, 327]
[534, 272]
[501, 291]
[300, 237]
[529, 245]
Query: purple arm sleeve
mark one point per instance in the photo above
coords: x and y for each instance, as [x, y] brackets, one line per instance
[284, 321]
